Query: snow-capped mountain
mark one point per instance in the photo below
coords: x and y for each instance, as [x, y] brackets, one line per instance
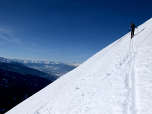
[116, 80]
[75, 64]
[22, 69]
[52, 68]
[2, 59]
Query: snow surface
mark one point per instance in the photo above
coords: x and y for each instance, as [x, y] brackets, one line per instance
[116, 80]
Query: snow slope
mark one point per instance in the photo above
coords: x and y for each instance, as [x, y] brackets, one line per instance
[116, 80]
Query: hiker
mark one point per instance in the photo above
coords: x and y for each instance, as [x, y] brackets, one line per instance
[132, 27]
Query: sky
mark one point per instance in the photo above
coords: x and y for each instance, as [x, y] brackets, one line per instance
[65, 30]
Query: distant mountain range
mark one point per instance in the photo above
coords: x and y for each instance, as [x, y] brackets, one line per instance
[55, 69]
[22, 69]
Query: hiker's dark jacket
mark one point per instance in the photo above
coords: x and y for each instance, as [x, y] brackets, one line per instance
[132, 26]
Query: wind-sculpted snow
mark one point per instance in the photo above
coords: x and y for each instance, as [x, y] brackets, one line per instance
[116, 80]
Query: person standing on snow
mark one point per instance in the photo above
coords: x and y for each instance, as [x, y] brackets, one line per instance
[132, 27]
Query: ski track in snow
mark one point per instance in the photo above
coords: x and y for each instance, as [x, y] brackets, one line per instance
[116, 80]
[132, 88]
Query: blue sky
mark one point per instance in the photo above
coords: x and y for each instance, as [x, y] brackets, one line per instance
[65, 30]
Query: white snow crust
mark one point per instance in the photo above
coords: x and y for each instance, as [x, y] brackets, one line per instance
[116, 80]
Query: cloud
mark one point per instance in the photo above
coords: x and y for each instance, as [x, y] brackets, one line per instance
[9, 36]
[38, 46]
[34, 44]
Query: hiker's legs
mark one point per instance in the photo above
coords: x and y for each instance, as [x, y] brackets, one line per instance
[132, 32]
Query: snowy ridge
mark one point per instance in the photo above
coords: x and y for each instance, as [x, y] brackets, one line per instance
[116, 80]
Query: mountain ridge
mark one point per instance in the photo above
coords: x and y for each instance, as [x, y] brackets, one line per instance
[51, 68]
[22, 69]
